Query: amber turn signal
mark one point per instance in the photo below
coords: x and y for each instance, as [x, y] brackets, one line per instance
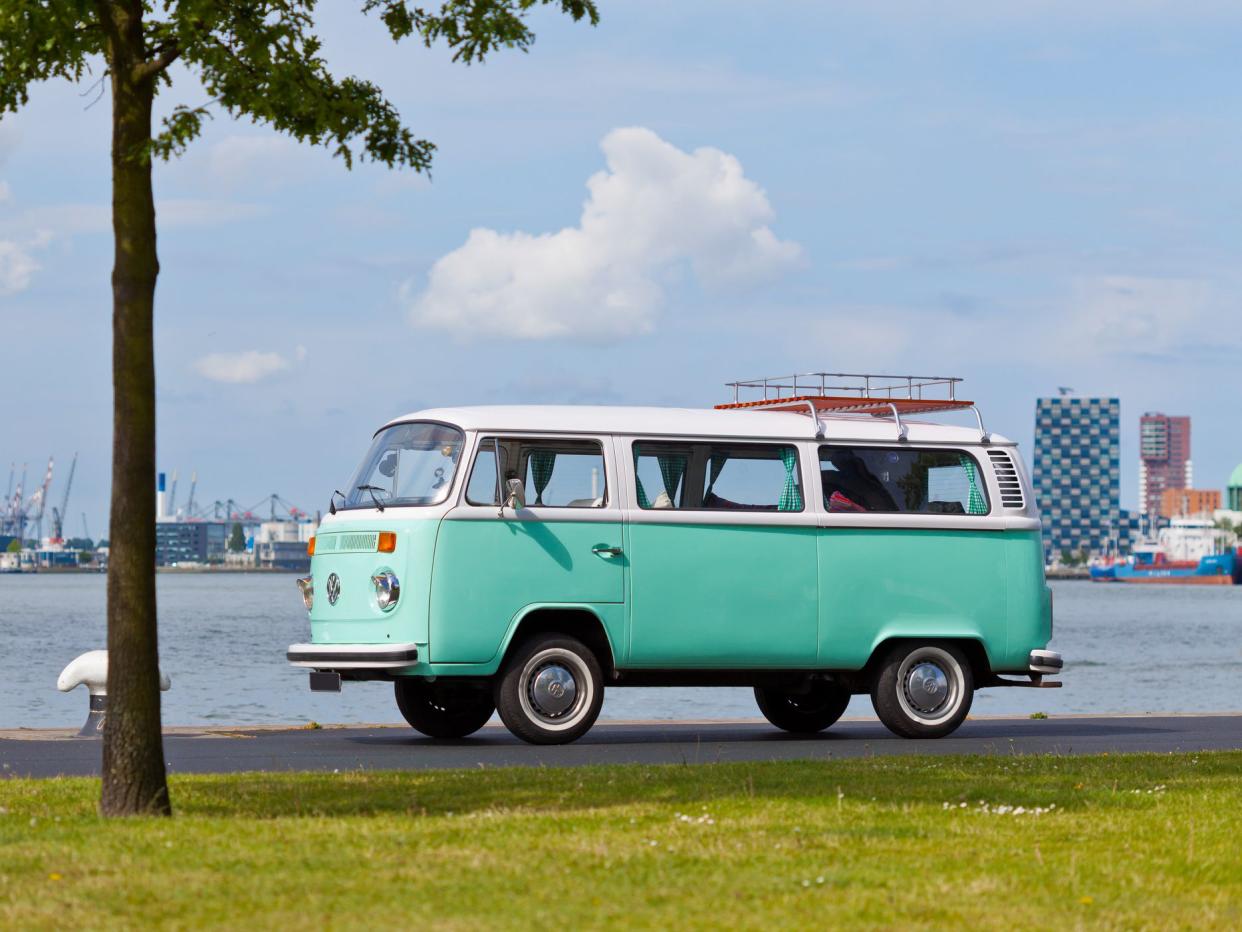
[387, 542]
[310, 547]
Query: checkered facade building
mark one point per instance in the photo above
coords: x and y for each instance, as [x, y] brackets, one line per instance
[1078, 472]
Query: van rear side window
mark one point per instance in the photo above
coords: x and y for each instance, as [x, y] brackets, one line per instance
[717, 476]
[911, 481]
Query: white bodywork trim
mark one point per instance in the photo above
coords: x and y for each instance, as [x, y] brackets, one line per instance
[335, 656]
[617, 428]
[599, 420]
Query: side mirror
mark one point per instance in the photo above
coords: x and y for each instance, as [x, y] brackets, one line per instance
[516, 497]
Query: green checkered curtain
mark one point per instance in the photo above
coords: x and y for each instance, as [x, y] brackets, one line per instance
[541, 464]
[791, 495]
[716, 464]
[672, 468]
[975, 502]
[640, 492]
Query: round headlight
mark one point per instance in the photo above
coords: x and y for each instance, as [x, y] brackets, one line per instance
[387, 589]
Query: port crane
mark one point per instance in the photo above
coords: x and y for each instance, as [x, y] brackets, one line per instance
[13, 515]
[172, 497]
[39, 501]
[58, 514]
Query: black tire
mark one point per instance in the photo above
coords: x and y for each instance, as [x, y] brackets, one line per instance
[803, 713]
[443, 710]
[906, 690]
[533, 693]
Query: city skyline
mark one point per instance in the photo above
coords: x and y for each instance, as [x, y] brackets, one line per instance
[1044, 213]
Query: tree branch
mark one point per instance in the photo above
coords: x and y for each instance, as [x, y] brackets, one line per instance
[165, 55]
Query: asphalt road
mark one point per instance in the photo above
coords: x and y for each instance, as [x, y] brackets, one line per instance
[46, 754]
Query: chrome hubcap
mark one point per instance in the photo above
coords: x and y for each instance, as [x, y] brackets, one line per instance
[927, 687]
[553, 690]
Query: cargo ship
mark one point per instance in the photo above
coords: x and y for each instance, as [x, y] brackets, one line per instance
[1190, 551]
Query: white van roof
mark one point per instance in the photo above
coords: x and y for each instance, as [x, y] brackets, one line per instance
[691, 422]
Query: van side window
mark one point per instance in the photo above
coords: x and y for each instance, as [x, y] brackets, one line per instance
[714, 476]
[752, 478]
[554, 473]
[884, 479]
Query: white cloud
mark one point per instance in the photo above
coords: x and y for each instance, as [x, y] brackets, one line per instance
[17, 264]
[170, 213]
[1096, 322]
[1133, 314]
[193, 212]
[654, 210]
[17, 267]
[264, 160]
[241, 368]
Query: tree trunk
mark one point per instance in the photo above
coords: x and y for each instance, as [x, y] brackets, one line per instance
[134, 780]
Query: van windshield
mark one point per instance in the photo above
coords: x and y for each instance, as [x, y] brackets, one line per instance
[408, 464]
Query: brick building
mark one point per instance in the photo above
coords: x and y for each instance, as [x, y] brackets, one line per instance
[1164, 459]
[1178, 503]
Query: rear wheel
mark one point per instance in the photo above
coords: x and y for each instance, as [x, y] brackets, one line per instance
[803, 712]
[443, 710]
[923, 690]
[551, 690]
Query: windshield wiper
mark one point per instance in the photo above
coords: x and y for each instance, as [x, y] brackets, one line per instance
[373, 489]
[332, 501]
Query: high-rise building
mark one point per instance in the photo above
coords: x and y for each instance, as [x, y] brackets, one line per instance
[1077, 473]
[1164, 458]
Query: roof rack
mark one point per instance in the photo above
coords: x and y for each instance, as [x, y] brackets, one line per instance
[853, 393]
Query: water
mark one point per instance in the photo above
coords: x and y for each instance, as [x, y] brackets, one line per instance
[223, 638]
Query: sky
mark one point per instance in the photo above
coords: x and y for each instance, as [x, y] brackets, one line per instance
[1028, 195]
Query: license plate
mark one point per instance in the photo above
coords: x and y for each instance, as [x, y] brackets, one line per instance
[325, 682]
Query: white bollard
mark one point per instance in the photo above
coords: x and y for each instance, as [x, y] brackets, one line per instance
[91, 670]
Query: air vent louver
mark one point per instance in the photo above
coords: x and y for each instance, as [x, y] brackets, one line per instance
[358, 542]
[1007, 479]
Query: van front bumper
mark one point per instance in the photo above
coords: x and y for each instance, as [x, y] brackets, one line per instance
[353, 656]
[1045, 662]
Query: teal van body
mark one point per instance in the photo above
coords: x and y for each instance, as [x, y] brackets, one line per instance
[685, 590]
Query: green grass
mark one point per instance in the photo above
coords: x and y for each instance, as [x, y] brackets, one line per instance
[1139, 841]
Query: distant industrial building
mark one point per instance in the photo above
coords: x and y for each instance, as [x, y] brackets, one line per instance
[1180, 503]
[1164, 459]
[1077, 473]
[178, 542]
[281, 545]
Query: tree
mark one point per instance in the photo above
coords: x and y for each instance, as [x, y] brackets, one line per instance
[237, 539]
[255, 58]
[15, 546]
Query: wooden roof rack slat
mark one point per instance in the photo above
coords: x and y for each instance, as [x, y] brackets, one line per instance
[881, 407]
[818, 393]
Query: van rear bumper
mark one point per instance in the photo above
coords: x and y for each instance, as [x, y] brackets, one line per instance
[352, 656]
[1045, 661]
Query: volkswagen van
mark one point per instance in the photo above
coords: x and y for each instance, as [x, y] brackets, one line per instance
[813, 544]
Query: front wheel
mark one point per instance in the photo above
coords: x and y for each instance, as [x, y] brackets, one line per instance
[443, 710]
[923, 690]
[551, 690]
[803, 712]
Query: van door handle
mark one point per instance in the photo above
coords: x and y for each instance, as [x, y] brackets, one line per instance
[606, 551]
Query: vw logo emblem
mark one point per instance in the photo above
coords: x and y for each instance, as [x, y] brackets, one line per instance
[334, 588]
